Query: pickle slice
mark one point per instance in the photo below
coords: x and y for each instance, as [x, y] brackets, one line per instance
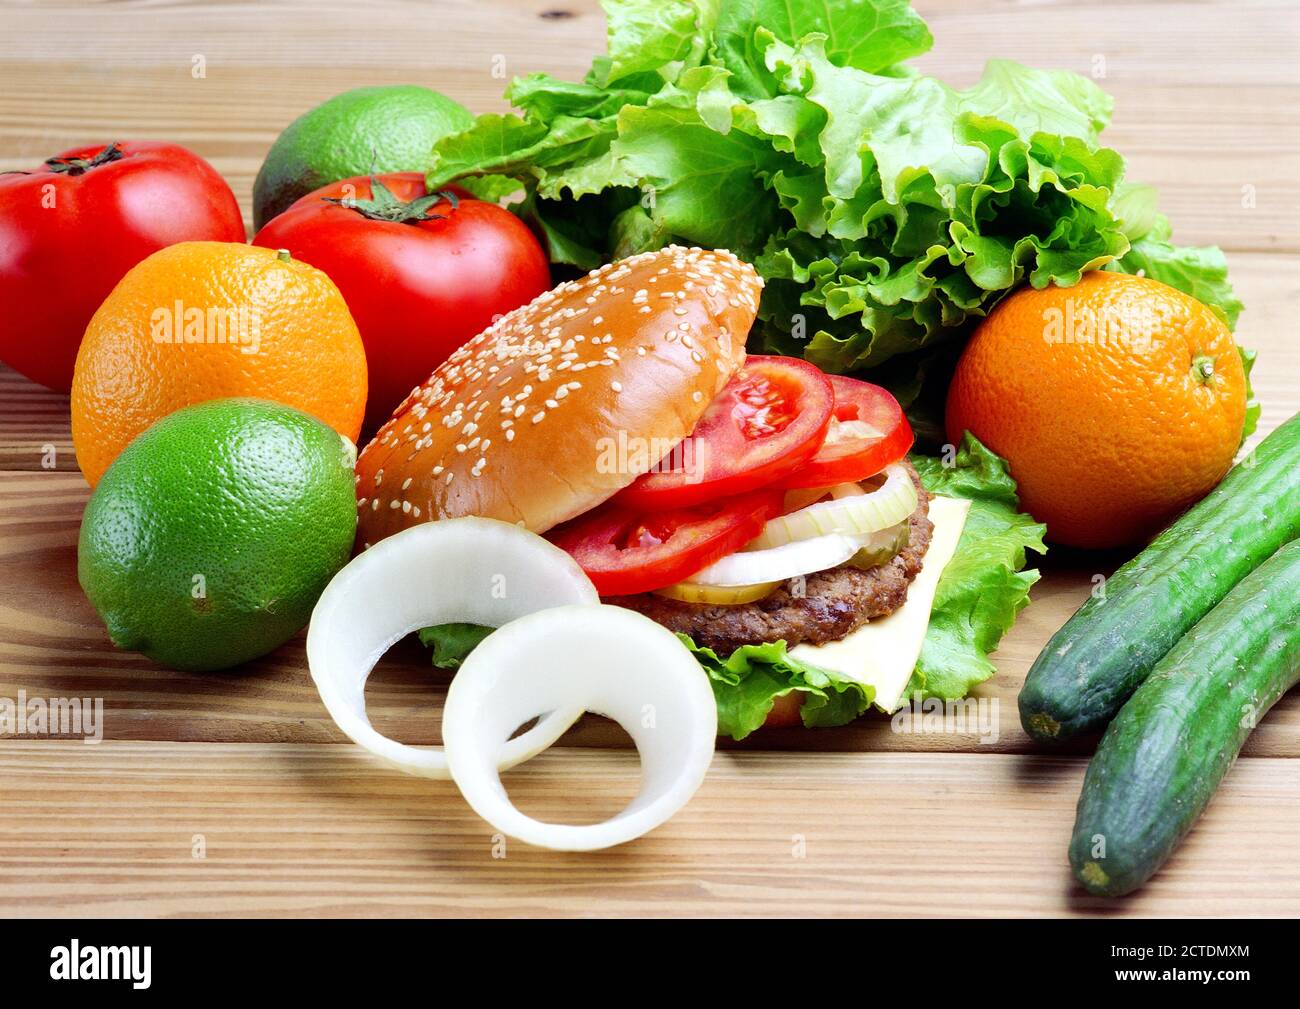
[717, 595]
[883, 546]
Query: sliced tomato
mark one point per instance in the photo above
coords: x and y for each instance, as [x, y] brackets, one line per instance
[867, 433]
[624, 551]
[764, 425]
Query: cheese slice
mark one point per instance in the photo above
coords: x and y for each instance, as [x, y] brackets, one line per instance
[883, 652]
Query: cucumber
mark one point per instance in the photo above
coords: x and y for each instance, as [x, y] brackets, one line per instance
[1169, 747]
[1093, 663]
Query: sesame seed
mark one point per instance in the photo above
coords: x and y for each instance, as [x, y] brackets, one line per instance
[539, 343]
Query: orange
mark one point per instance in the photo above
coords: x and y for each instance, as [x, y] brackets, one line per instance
[208, 320]
[1117, 403]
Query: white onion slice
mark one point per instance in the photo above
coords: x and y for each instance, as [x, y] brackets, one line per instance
[465, 570]
[789, 560]
[609, 661]
[847, 513]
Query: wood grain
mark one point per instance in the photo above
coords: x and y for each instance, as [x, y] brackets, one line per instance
[1207, 102]
[316, 830]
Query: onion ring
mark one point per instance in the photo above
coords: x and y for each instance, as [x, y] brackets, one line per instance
[464, 570]
[612, 661]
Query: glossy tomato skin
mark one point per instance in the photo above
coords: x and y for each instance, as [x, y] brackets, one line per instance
[849, 459]
[768, 421]
[67, 238]
[416, 290]
[626, 552]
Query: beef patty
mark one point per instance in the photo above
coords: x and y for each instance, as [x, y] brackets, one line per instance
[831, 605]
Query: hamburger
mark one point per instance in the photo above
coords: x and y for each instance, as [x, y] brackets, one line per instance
[740, 500]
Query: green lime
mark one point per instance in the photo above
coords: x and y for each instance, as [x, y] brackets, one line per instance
[210, 538]
[383, 129]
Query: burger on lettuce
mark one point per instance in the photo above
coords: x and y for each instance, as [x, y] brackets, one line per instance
[765, 511]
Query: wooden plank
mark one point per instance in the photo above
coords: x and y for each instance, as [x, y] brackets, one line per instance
[317, 830]
[35, 428]
[1203, 129]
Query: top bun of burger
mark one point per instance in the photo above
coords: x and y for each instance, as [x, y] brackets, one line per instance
[566, 400]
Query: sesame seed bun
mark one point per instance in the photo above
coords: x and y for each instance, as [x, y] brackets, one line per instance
[564, 401]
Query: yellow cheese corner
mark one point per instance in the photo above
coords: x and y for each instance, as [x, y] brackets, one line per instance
[883, 653]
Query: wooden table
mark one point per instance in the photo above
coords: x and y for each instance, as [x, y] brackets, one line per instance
[246, 769]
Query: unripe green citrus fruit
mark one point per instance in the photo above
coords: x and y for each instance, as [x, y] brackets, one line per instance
[210, 538]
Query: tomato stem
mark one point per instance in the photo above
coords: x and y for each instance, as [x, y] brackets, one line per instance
[384, 206]
[80, 166]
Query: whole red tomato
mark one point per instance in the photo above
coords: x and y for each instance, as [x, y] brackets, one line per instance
[71, 229]
[422, 273]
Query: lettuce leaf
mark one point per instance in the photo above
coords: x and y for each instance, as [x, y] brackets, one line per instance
[977, 599]
[887, 212]
[749, 681]
[653, 37]
[868, 36]
[983, 587]
[452, 643]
